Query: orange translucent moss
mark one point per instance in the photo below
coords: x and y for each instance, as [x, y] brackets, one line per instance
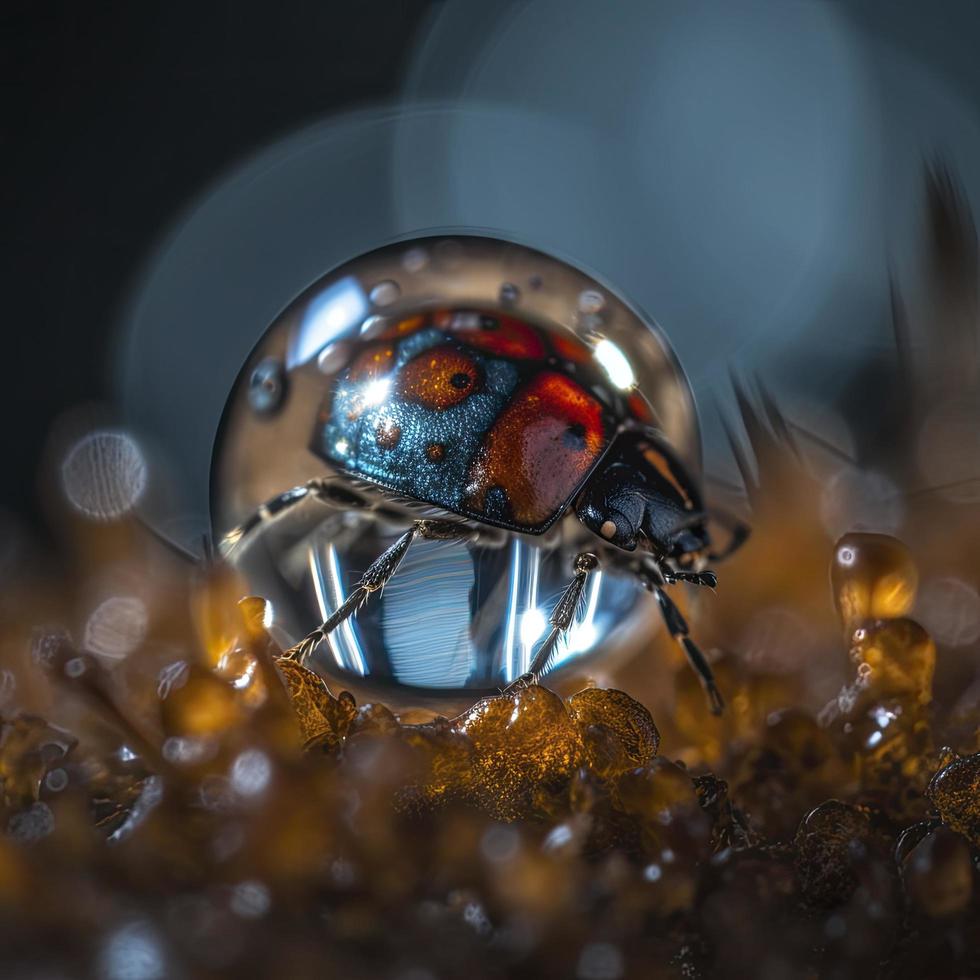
[323, 719]
[617, 731]
[955, 793]
[439, 378]
[28, 746]
[539, 450]
[524, 745]
[425, 843]
[198, 703]
[829, 844]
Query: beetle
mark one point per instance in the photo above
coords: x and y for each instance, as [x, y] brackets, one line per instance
[504, 425]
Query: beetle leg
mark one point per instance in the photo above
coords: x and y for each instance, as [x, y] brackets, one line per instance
[560, 620]
[320, 489]
[677, 627]
[654, 572]
[740, 532]
[706, 578]
[377, 576]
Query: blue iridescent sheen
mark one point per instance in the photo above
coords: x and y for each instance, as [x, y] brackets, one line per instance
[349, 437]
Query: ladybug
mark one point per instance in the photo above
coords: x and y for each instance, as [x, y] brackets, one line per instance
[507, 424]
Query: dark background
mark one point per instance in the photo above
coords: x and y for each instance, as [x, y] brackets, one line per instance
[115, 115]
[116, 118]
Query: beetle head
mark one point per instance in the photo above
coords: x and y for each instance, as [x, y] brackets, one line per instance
[607, 521]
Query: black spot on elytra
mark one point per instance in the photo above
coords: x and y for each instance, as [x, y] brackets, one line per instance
[575, 436]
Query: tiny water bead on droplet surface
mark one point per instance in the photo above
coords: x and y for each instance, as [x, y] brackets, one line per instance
[509, 294]
[385, 293]
[591, 301]
[411, 375]
[873, 577]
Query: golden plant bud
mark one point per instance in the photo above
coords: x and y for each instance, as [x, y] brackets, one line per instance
[873, 577]
[521, 742]
[955, 793]
[202, 704]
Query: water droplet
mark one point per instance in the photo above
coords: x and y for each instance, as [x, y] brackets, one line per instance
[500, 843]
[171, 677]
[187, 750]
[385, 293]
[331, 359]
[104, 475]
[267, 386]
[557, 838]
[250, 900]
[590, 301]
[133, 953]
[415, 260]
[216, 794]
[476, 918]
[32, 824]
[56, 780]
[600, 961]
[251, 772]
[509, 294]
[373, 327]
[873, 577]
[116, 627]
[343, 873]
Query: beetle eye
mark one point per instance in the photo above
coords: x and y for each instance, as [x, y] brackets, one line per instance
[608, 530]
